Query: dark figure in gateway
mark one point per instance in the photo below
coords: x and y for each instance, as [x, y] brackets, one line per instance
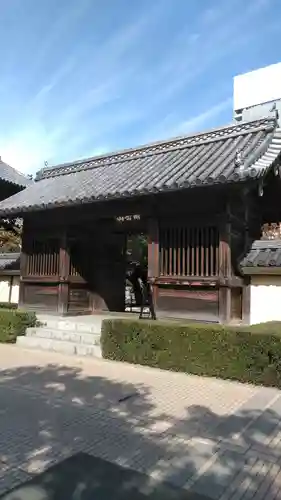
[143, 291]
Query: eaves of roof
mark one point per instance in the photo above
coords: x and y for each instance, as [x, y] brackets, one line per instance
[10, 260]
[12, 176]
[264, 256]
[236, 153]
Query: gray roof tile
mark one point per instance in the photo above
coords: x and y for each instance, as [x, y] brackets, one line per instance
[202, 159]
[9, 261]
[263, 253]
[9, 174]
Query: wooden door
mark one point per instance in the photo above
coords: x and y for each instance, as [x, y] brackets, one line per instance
[109, 272]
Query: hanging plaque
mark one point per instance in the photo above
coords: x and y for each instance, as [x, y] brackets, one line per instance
[127, 218]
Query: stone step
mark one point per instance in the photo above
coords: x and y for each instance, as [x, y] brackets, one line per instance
[93, 325]
[84, 338]
[64, 347]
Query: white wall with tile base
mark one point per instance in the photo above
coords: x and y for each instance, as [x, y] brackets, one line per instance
[265, 299]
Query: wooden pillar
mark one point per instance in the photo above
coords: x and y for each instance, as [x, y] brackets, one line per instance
[153, 255]
[246, 297]
[153, 249]
[224, 304]
[63, 275]
[23, 263]
[225, 268]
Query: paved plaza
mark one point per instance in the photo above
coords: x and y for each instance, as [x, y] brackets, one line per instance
[211, 438]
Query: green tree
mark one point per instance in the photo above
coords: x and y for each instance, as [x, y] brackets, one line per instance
[10, 235]
[137, 249]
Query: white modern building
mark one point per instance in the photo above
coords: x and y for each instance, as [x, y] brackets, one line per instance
[257, 93]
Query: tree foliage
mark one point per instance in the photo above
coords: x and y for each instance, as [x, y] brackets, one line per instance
[137, 249]
[10, 235]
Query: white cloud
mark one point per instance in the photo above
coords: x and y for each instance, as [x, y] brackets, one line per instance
[219, 32]
[31, 144]
[194, 123]
[108, 86]
[65, 22]
[172, 127]
[27, 149]
[54, 80]
[102, 83]
[100, 92]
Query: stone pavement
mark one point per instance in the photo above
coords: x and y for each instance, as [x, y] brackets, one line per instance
[216, 438]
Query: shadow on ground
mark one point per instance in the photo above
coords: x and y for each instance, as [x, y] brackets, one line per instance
[49, 414]
[86, 477]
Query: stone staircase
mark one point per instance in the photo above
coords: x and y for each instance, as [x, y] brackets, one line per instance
[73, 336]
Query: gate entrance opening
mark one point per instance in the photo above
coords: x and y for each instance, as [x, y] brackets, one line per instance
[136, 267]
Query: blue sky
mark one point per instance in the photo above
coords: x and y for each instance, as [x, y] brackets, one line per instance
[83, 77]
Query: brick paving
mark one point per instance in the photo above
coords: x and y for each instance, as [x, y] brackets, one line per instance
[216, 438]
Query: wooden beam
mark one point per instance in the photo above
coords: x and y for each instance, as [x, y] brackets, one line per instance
[165, 205]
[40, 279]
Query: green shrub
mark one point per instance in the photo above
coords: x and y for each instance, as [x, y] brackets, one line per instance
[249, 354]
[8, 305]
[14, 323]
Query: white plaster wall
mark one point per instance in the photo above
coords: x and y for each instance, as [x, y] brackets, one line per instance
[15, 290]
[4, 288]
[5, 283]
[265, 299]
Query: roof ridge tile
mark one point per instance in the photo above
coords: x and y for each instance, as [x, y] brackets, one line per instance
[177, 165]
[202, 138]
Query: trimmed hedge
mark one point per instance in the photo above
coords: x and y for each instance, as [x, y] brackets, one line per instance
[248, 354]
[8, 305]
[14, 323]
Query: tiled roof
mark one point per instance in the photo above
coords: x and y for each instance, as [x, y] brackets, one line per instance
[9, 261]
[263, 253]
[230, 154]
[9, 174]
